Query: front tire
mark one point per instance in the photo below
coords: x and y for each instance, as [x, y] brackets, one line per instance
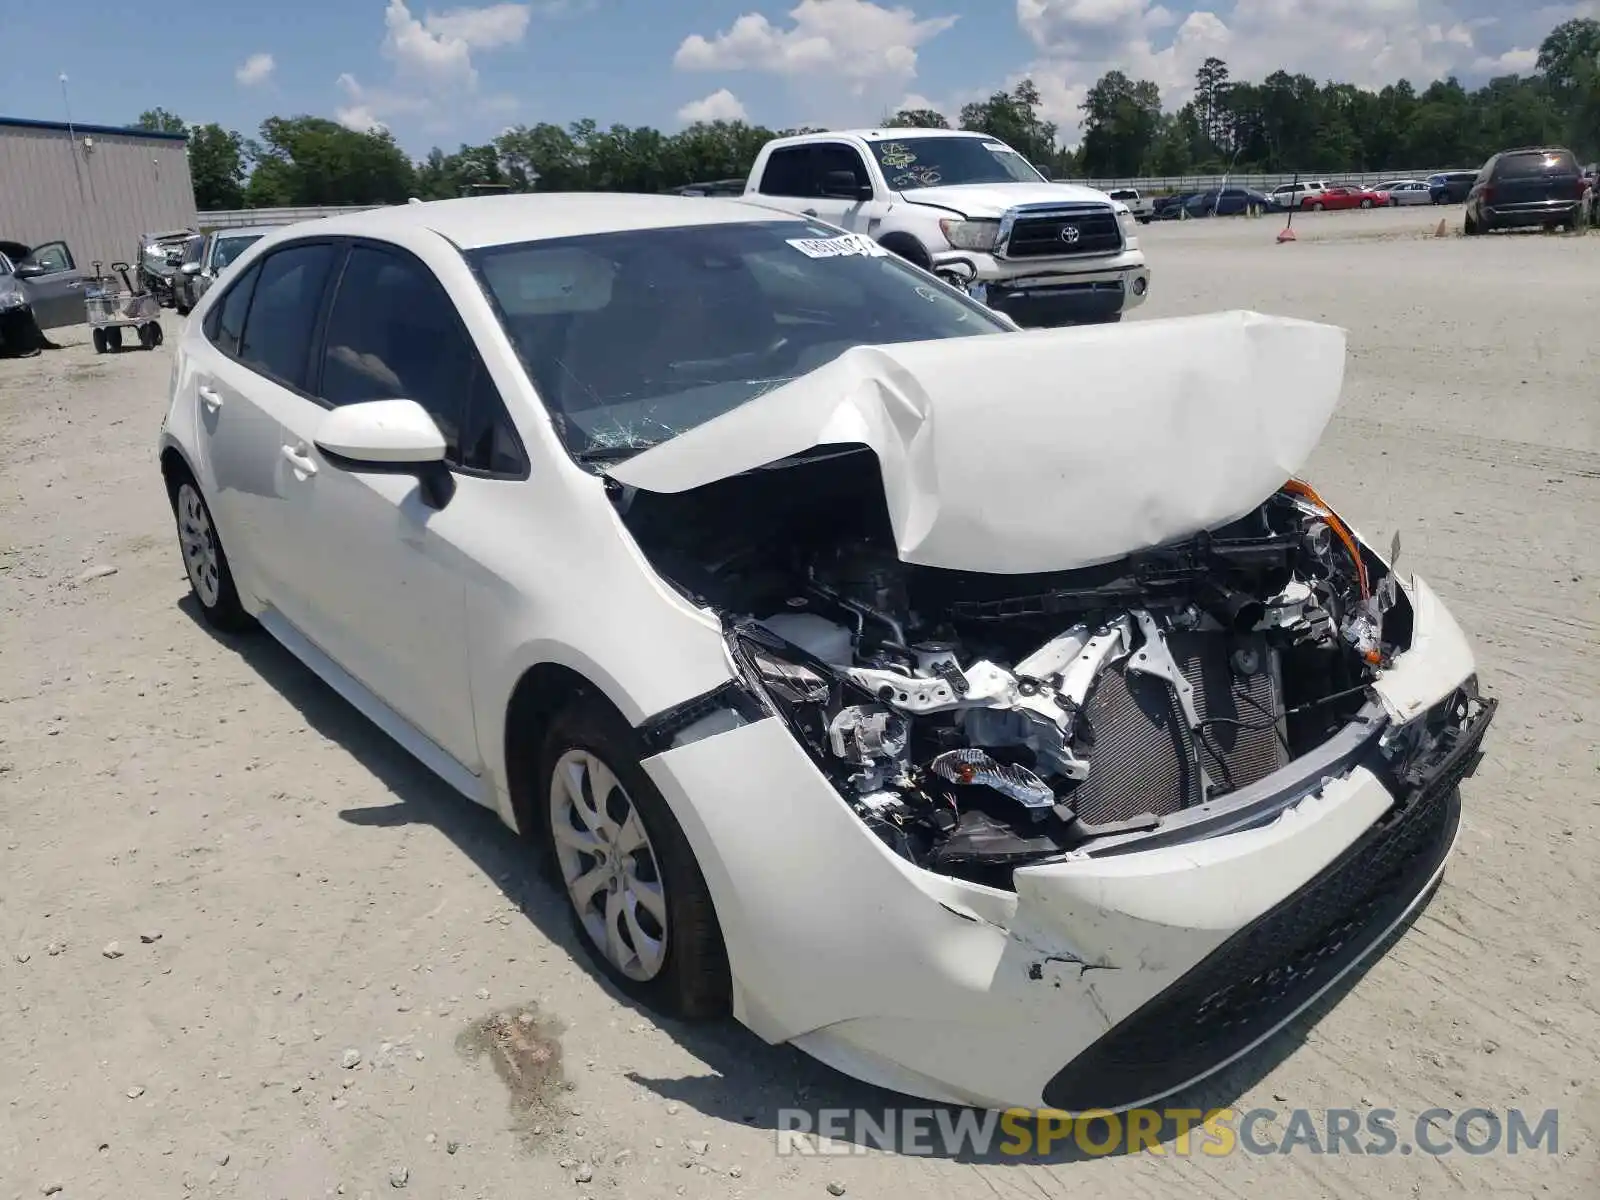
[204, 561]
[1366, 204]
[637, 896]
[908, 248]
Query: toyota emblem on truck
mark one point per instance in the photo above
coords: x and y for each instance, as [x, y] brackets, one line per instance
[1070, 234]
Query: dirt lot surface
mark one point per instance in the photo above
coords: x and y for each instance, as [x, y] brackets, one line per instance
[251, 949]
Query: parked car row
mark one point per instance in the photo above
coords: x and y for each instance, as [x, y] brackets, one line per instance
[1306, 195]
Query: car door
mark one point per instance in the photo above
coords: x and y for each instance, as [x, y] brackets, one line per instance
[382, 586]
[53, 284]
[260, 333]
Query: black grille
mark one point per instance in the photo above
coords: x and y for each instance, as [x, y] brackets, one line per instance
[1046, 235]
[1268, 971]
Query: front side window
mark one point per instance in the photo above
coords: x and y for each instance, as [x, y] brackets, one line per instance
[393, 334]
[634, 337]
[53, 257]
[940, 161]
[283, 313]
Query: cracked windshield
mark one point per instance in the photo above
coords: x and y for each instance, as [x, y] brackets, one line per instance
[632, 338]
[942, 161]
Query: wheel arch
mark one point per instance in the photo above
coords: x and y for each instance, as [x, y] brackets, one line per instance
[175, 468]
[908, 246]
[541, 692]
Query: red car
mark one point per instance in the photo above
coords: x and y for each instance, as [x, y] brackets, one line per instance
[1346, 197]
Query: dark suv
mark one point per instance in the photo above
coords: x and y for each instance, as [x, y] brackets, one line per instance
[1521, 188]
[1450, 187]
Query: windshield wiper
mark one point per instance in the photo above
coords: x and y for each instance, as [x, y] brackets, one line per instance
[605, 454]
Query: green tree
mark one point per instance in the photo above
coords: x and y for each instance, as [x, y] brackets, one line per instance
[915, 118]
[159, 120]
[216, 163]
[1121, 118]
[314, 161]
[1014, 118]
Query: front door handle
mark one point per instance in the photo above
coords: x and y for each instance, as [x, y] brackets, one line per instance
[299, 460]
[808, 212]
[210, 397]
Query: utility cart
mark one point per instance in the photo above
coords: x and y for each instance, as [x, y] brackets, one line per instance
[111, 309]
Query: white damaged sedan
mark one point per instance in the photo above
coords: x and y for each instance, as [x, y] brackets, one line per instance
[994, 716]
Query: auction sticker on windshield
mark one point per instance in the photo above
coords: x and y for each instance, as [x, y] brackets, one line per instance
[838, 247]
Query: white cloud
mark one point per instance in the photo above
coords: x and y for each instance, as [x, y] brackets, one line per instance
[867, 45]
[1516, 61]
[1370, 43]
[432, 57]
[721, 105]
[480, 28]
[255, 70]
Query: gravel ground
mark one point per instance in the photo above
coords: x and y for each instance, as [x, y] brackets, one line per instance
[248, 948]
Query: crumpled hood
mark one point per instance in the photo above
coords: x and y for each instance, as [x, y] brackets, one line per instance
[1050, 450]
[992, 199]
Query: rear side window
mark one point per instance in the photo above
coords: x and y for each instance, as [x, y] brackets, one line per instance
[225, 321]
[789, 173]
[1536, 163]
[283, 312]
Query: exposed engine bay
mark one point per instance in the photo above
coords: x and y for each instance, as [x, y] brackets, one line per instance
[977, 722]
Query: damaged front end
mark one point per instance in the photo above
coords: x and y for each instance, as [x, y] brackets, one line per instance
[979, 723]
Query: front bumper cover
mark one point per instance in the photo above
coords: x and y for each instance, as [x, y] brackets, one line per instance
[1035, 292]
[1087, 985]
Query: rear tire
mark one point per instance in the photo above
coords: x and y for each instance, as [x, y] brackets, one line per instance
[99, 339]
[204, 561]
[1318, 207]
[114, 339]
[630, 839]
[1469, 227]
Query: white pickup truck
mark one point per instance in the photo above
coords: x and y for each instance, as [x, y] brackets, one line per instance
[970, 209]
[1141, 208]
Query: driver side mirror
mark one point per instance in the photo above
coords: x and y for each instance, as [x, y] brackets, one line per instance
[30, 271]
[391, 437]
[842, 185]
[190, 268]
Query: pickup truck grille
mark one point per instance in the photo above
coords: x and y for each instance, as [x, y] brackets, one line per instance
[1045, 234]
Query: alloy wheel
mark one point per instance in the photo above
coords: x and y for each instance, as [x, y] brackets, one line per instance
[608, 864]
[199, 543]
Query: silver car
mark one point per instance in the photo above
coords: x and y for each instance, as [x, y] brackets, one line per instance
[210, 258]
[1406, 191]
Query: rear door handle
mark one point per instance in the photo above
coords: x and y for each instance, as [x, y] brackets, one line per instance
[808, 212]
[210, 397]
[299, 460]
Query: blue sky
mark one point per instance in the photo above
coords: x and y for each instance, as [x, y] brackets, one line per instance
[449, 72]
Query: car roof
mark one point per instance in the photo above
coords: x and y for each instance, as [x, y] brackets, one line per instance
[241, 230]
[478, 221]
[892, 134]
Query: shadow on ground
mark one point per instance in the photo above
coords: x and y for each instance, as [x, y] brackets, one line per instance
[754, 1083]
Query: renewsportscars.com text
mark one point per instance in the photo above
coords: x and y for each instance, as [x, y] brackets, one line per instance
[1169, 1131]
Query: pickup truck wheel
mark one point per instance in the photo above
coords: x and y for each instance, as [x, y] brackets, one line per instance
[909, 249]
